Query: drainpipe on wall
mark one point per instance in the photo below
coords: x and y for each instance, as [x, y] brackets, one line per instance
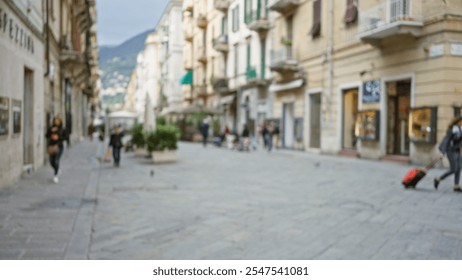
[47, 34]
[330, 62]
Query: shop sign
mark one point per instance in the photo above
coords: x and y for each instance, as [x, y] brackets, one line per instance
[456, 49]
[371, 91]
[436, 50]
[4, 115]
[11, 29]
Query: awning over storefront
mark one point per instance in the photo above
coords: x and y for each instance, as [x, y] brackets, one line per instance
[187, 79]
[227, 99]
[287, 86]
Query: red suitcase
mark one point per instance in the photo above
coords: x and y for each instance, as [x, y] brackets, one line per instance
[413, 176]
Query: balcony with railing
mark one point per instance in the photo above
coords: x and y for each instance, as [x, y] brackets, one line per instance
[221, 43]
[283, 60]
[283, 7]
[391, 17]
[188, 5]
[220, 84]
[257, 21]
[188, 29]
[200, 90]
[201, 55]
[202, 21]
[222, 5]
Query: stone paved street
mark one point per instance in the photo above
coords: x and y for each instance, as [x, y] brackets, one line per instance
[220, 204]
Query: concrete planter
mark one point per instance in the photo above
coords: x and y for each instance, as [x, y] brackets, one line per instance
[141, 152]
[164, 156]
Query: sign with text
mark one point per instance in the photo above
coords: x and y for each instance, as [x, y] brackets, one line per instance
[371, 91]
[4, 112]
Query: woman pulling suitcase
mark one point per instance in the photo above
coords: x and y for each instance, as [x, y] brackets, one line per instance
[450, 146]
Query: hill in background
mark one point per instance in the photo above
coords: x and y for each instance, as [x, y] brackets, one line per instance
[117, 64]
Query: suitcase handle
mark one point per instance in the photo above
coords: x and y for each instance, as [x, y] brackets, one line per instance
[433, 163]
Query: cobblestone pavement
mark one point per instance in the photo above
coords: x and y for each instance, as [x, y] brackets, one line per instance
[220, 204]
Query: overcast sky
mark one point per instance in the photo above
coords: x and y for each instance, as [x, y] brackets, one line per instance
[118, 20]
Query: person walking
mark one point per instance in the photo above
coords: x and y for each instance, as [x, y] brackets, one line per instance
[450, 146]
[276, 136]
[245, 141]
[56, 135]
[204, 129]
[116, 144]
[269, 135]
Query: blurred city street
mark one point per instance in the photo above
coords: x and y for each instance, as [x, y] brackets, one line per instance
[220, 204]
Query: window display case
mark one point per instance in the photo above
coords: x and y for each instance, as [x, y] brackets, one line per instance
[298, 129]
[367, 126]
[457, 112]
[4, 115]
[422, 125]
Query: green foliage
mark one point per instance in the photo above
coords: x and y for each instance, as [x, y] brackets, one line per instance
[216, 126]
[138, 136]
[164, 138]
[197, 119]
[160, 120]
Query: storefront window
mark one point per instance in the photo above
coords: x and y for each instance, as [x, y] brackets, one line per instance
[367, 125]
[457, 112]
[4, 115]
[298, 129]
[16, 108]
[422, 125]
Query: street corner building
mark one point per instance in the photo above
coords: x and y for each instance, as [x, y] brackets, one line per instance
[376, 79]
[48, 67]
[372, 79]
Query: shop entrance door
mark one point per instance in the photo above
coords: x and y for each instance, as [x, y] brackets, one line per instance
[28, 118]
[350, 111]
[315, 121]
[288, 110]
[399, 102]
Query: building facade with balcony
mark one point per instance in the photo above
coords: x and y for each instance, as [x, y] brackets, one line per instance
[374, 79]
[48, 54]
[170, 30]
[71, 64]
[247, 69]
[148, 76]
[201, 58]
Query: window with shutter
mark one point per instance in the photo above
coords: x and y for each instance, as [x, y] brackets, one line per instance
[351, 13]
[316, 28]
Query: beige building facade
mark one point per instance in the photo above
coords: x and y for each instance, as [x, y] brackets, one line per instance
[21, 89]
[48, 67]
[374, 79]
[201, 61]
[71, 64]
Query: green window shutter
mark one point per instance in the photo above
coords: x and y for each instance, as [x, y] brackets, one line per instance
[263, 60]
[246, 12]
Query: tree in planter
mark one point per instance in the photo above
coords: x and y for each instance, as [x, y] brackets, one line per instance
[138, 139]
[164, 138]
[160, 120]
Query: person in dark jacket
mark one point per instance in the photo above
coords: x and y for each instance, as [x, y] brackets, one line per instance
[450, 146]
[56, 135]
[116, 143]
[204, 129]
